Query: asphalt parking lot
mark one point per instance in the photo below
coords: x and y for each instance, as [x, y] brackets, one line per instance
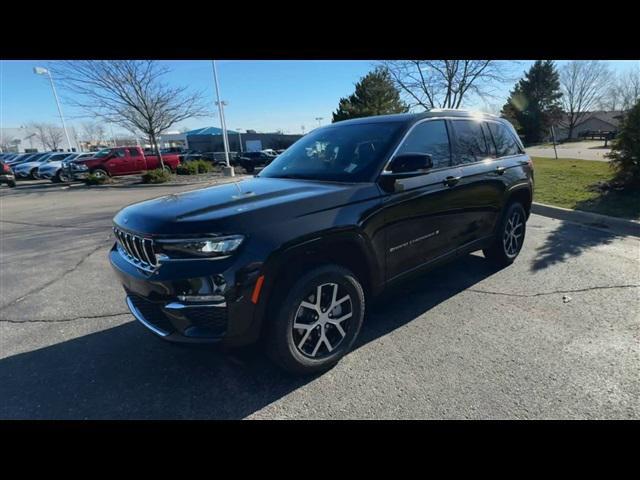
[556, 335]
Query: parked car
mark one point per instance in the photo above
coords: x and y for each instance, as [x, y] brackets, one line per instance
[6, 174]
[294, 255]
[53, 169]
[23, 157]
[54, 158]
[252, 160]
[29, 168]
[119, 161]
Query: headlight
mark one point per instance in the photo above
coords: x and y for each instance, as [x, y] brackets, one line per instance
[79, 166]
[205, 247]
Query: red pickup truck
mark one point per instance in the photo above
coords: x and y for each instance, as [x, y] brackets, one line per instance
[119, 161]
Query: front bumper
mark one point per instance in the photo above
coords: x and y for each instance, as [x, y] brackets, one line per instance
[157, 300]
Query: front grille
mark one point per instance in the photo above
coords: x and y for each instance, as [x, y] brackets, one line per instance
[136, 249]
[213, 319]
[152, 313]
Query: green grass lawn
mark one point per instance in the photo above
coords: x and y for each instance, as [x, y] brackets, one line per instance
[565, 182]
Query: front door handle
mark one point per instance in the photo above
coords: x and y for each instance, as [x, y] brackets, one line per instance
[500, 170]
[451, 181]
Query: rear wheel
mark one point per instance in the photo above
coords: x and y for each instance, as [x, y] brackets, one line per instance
[510, 236]
[34, 174]
[318, 321]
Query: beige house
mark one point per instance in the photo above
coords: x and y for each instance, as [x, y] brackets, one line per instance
[592, 121]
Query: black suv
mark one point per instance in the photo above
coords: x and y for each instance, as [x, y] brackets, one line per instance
[251, 160]
[292, 255]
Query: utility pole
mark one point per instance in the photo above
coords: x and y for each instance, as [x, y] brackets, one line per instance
[44, 71]
[228, 170]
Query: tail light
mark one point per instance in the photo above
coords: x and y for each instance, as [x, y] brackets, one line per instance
[5, 168]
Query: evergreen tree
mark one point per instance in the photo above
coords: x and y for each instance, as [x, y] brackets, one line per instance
[625, 151]
[375, 94]
[534, 103]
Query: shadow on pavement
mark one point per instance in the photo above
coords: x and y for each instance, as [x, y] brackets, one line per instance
[126, 373]
[566, 241]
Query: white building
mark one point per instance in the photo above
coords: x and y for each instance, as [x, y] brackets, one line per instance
[25, 138]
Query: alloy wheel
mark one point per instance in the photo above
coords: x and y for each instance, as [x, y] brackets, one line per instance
[513, 234]
[322, 321]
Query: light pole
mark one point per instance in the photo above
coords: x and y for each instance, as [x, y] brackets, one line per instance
[44, 71]
[228, 170]
[239, 139]
[319, 119]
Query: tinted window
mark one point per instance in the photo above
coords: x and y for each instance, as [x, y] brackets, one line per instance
[118, 153]
[429, 137]
[343, 153]
[134, 152]
[470, 145]
[503, 138]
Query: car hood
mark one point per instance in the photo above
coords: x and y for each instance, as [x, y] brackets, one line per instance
[239, 207]
[27, 165]
[51, 165]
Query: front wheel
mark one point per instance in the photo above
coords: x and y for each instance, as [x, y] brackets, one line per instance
[510, 236]
[34, 174]
[99, 173]
[318, 321]
[62, 177]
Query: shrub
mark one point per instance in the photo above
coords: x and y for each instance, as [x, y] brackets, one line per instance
[95, 180]
[156, 176]
[193, 168]
[625, 150]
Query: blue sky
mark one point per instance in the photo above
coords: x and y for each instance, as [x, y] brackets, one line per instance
[262, 95]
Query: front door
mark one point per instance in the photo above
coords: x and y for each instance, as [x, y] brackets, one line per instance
[119, 163]
[418, 216]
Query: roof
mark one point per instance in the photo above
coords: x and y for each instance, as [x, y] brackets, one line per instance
[208, 131]
[612, 117]
[412, 117]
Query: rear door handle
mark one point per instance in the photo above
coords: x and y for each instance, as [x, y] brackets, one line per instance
[451, 181]
[500, 170]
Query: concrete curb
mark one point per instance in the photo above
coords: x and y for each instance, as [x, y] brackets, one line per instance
[620, 226]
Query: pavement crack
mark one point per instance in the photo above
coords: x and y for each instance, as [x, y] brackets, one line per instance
[54, 280]
[555, 292]
[63, 320]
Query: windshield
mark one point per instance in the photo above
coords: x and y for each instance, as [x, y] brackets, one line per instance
[342, 153]
[102, 153]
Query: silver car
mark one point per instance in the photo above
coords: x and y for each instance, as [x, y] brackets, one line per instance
[52, 169]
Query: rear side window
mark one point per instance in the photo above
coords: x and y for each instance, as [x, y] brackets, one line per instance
[505, 143]
[134, 152]
[429, 137]
[470, 145]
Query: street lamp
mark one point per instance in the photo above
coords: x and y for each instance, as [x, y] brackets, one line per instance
[239, 139]
[319, 119]
[44, 71]
[228, 170]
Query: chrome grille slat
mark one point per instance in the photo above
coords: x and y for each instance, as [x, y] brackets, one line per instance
[136, 249]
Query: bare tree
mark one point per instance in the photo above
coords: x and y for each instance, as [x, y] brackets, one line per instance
[583, 84]
[8, 142]
[447, 83]
[49, 135]
[129, 93]
[623, 92]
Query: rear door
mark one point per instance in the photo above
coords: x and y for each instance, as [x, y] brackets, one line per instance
[418, 214]
[481, 188]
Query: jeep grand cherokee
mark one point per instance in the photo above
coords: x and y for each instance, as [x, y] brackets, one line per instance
[291, 256]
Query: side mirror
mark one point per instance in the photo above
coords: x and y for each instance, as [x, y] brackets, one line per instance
[411, 163]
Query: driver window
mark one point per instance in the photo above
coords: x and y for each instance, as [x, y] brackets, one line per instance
[429, 137]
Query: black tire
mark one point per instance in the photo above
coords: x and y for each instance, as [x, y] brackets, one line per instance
[502, 251]
[34, 173]
[56, 178]
[249, 168]
[11, 183]
[62, 177]
[98, 172]
[167, 169]
[281, 345]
